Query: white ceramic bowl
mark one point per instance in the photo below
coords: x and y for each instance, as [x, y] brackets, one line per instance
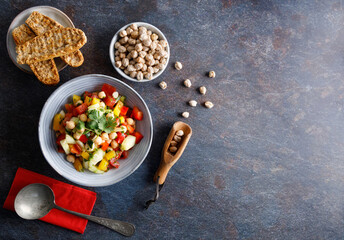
[20, 19]
[116, 38]
[47, 138]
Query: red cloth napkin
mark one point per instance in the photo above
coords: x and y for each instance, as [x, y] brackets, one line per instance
[66, 196]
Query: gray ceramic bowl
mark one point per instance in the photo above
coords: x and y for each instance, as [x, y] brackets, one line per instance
[116, 38]
[55, 104]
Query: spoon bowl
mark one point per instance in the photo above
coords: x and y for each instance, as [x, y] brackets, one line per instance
[36, 200]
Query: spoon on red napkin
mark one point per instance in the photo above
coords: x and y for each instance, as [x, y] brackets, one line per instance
[36, 200]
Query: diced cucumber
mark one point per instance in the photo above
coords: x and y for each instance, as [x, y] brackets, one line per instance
[94, 169]
[65, 146]
[85, 164]
[81, 144]
[97, 156]
[128, 143]
[70, 139]
[94, 107]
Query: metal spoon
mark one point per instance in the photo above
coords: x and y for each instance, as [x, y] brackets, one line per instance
[36, 200]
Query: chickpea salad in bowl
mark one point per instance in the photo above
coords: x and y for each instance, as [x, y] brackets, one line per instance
[97, 129]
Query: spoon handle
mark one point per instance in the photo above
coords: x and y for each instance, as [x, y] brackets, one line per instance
[124, 228]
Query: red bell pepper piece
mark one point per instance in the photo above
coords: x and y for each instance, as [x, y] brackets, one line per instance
[138, 136]
[69, 108]
[137, 114]
[88, 94]
[114, 163]
[124, 110]
[105, 146]
[108, 89]
[83, 138]
[75, 148]
[120, 137]
[109, 101]
[59, 138]
[124, 154]
[80, 109]
[67, 118]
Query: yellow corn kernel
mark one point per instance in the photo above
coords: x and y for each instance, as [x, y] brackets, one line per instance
[121, 119]
[103, 165]
[76, 98]
[57, 121]
[95, 101]
[117, 109]
[109, 155]
[88, 100]
[85, 155]
[78, 165]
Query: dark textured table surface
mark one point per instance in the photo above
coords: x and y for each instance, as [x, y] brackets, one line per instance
[267, 162]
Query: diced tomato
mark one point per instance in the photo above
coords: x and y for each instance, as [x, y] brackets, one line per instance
[120, 137]
[75, 148]
[137, 114]
[124, 110]
[80, 109]
[118, 122]
[67, 118]
[114, 163]
[69, 108]
[109, 101]
[83, 138]
[108, 89]
[124, 154]
[60, 149]
[88, 94]
[131, 130]
[59, 138]
[105, 146]
[138, 136]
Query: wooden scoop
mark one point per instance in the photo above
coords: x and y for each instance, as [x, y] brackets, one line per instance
[168, 159]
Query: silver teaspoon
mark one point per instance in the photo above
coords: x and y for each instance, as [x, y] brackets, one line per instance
[36, 200]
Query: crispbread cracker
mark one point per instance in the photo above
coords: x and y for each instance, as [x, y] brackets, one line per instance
[54, 43]
[40, 24]
[22, 34]
[45, 71]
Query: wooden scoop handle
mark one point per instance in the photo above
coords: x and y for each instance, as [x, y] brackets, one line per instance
[168, 159]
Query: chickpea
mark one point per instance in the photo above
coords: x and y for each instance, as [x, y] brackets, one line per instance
[122, 49]
[138, 47]
[149, 57]
[115, 95]
[77, 103]
[102, 104]
[159, 48]
[130, 48]
[77, 135]
[163, 43]
[131, 68]
[156, 69]
[163, 85]
[122, 55]
[112, 135]
[98, 141]
[126, 71]
[173, 143]
[132, 62]
[130, 121]
[146, 49]
[142, 30]
[144, 68]
[104, 136]
[134, 26]
[212, 74]
[139, 75]
[178, 65]
[135, 34]
[142, 54]
[134, 53]
[101, 94]
[163, 53]
[151, 62]
[153, 45]
[117, 53]
[185, 114]
[133, 74]
[70, 125]
[143, 37]
[83, 117]
[180, 133]
[117, 58]
[138, 66]
[163, 61]
[131, 41]
[173, 149]
[129, 31]
[154, 37]
[125, 62]
[208, 104]
[160, 65]
[177, 138]
[140, 60]
[70, 158]
[117, 45]
[114, 144]
[123, 40]
[149, 32]
[150, 70]
[148, 76]
[157, 56]
[123, 33]
[192, 103]
[202, 90]
[147, 42]
[187, 83]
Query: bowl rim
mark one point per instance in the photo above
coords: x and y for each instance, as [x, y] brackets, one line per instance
[112, 53]
[14, 21]
[40, 127]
